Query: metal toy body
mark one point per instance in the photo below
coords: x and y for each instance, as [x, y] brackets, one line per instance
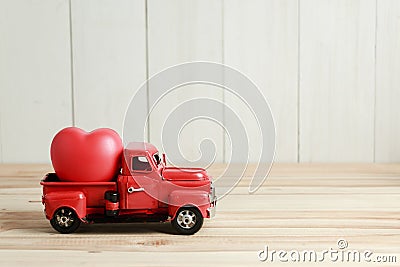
[144, 189]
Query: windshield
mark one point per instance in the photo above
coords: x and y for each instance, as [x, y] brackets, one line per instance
[157, 159]
[158, 162]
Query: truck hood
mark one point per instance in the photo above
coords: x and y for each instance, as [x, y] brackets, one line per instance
[184, 174]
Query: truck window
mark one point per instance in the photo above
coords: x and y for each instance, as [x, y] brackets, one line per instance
[140, 164]
[157, 159]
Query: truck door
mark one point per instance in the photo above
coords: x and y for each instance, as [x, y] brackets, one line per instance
[141, 190]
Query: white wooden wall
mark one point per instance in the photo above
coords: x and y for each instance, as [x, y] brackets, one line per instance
[183, 31]
[329, 68]
[337, 83]
[387, 115]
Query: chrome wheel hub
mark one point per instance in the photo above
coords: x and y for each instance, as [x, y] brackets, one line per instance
[64, 218]
[186, 219]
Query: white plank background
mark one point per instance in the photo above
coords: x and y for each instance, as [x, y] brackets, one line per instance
[337, 60]
[109, 51]
[387, 142]
[35, 78]
[333, 95]
[183, 31]
[260, 40]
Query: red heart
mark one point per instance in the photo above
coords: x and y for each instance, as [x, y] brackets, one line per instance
[78, 156]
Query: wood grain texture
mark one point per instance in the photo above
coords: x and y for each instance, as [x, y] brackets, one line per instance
[337, 64]
[261, 40]
[387, 127]
[184, 31]
[300, 206]
[109, 51]
[35, 80]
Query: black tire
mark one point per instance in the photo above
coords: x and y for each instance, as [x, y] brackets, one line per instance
[188, 221]
[65, 220]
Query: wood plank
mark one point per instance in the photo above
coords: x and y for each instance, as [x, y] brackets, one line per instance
[109, 51]
[337, 48]
[185, 31]
[260, 40]
[35, 77]
[220, 258]
[301, 206]
[387, 128]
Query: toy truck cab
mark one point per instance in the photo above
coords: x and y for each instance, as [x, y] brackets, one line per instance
[144, 190]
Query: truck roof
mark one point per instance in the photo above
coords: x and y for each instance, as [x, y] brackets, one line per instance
[139, 148]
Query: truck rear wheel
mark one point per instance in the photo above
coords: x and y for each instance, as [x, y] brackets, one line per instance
[188, 220]
[65, 220]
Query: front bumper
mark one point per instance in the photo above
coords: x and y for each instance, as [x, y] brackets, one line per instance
[211, 211]
[213, 202]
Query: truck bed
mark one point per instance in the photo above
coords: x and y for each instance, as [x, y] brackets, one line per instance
[94, 191]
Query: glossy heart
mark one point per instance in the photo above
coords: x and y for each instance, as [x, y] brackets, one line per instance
[79, 156]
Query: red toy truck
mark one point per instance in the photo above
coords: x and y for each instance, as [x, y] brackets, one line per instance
[145, 189]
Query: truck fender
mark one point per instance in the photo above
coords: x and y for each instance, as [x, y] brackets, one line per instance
[185, 198]
[75, 200]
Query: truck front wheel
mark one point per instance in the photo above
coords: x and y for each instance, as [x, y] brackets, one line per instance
[65, 220]
[187, 221]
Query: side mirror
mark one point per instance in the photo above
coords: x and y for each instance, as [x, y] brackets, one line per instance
[164, 159]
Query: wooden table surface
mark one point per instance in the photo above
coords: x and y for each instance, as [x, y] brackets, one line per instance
[299, 207]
